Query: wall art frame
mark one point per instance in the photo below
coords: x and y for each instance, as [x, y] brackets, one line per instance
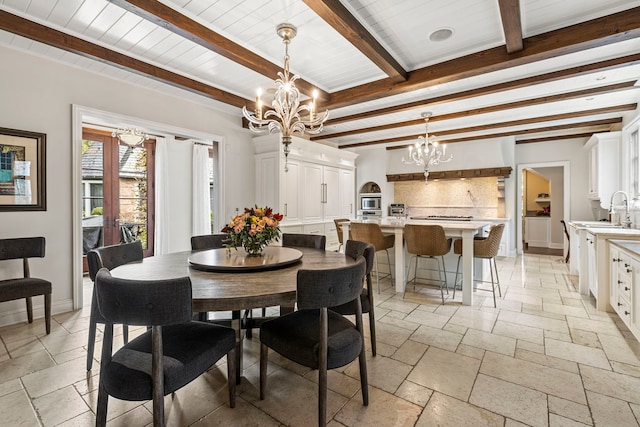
[22, 170]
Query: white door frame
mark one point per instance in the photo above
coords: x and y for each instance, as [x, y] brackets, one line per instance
[566, 165]
[80, 115]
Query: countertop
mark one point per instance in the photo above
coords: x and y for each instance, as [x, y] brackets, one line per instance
[630, 245]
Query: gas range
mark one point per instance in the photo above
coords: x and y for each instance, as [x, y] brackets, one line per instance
[444, 218]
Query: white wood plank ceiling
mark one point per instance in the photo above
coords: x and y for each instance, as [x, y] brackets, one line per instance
[354, 83]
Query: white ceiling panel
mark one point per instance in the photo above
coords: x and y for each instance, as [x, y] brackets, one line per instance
[323, 57]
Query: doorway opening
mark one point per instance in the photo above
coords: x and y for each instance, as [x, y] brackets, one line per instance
[543, 201]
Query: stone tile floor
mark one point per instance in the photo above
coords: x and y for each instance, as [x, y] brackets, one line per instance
[543, 357]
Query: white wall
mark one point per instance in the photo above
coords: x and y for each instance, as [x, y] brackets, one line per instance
[38, 94]
[572, 151]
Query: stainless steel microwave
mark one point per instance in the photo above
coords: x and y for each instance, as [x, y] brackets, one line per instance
[371, 203]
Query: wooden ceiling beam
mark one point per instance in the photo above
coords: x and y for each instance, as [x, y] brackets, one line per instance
[169, 19]
[555, 138]
[609, 64]
[601, 122]
[34, 31]
[597, 32]
[336, 15]
[511, 24]
[491, 109]
[531, 120]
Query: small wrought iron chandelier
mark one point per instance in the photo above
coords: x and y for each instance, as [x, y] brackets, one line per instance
[427, 152]
[288, 115]
[131, 137]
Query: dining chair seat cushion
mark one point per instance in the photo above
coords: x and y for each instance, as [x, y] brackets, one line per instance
[189, 349]
[11, 289]
[296, 335]
[350, 307]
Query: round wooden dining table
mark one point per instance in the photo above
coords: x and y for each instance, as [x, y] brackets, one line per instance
[237, 289]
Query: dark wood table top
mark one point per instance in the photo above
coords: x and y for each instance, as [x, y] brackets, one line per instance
[220, 291]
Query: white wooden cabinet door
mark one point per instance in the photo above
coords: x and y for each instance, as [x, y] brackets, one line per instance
[266, 182]
[615, 260]
[312, 192]
[347, 194]
[331, 201]
[635, 299]
[290, 206]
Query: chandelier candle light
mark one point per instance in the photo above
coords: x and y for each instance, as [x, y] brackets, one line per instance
[288, 114]
[427, 152]
[131, 137]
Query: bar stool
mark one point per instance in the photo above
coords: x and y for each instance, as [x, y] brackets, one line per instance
[430, 242]
[338, 222]
[486, 248]
[370, 232]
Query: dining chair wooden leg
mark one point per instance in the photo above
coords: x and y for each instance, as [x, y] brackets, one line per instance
[29, 310]
[264, 359]
[91, 344]
[372, 330]
[231, 373]
[47, 313]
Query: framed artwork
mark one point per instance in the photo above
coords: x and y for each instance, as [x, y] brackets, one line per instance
[22, 170]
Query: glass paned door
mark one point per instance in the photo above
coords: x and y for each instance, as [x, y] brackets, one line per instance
[117, 192]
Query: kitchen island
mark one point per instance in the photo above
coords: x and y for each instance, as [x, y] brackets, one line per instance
[466, 230]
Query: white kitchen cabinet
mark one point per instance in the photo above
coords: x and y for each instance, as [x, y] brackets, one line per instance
[319, 186]
[604, 176]
[321, 195]
[281, 192]
[537, 231]
[591, 244]
[347, 193]
[625, 284]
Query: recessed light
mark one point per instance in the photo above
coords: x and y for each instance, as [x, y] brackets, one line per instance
[441, 34]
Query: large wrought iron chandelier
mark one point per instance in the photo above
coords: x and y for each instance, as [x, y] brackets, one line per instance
[427, 152]
[287, 114]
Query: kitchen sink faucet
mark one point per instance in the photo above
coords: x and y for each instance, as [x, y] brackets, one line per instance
[627, 217]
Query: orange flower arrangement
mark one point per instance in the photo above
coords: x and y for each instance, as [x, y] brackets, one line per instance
[254, 229]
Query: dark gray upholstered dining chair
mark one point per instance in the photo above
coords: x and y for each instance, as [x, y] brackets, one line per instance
[108, 257]
[314, 241]
[356, 249]
[204, 242]
[26, 286]
[174, 352]
[315, 336]
[208, 241]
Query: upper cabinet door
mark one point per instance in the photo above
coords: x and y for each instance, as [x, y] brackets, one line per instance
[347, 193]
[331, 181]
[291, 193]
[312, 192]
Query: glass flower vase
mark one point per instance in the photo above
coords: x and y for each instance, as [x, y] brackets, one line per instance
[254, 248]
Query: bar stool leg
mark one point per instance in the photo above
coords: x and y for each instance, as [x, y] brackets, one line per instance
[497, 278]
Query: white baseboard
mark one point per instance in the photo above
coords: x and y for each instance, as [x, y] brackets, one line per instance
[20, 315]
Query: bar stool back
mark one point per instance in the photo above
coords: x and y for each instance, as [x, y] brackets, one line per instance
[372, 233]
[487, 248]
[429, 242]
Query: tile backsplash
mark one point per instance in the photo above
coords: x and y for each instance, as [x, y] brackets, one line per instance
[478, 197]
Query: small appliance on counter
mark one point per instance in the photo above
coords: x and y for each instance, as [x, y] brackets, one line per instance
[369, 213]
[397, 209]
